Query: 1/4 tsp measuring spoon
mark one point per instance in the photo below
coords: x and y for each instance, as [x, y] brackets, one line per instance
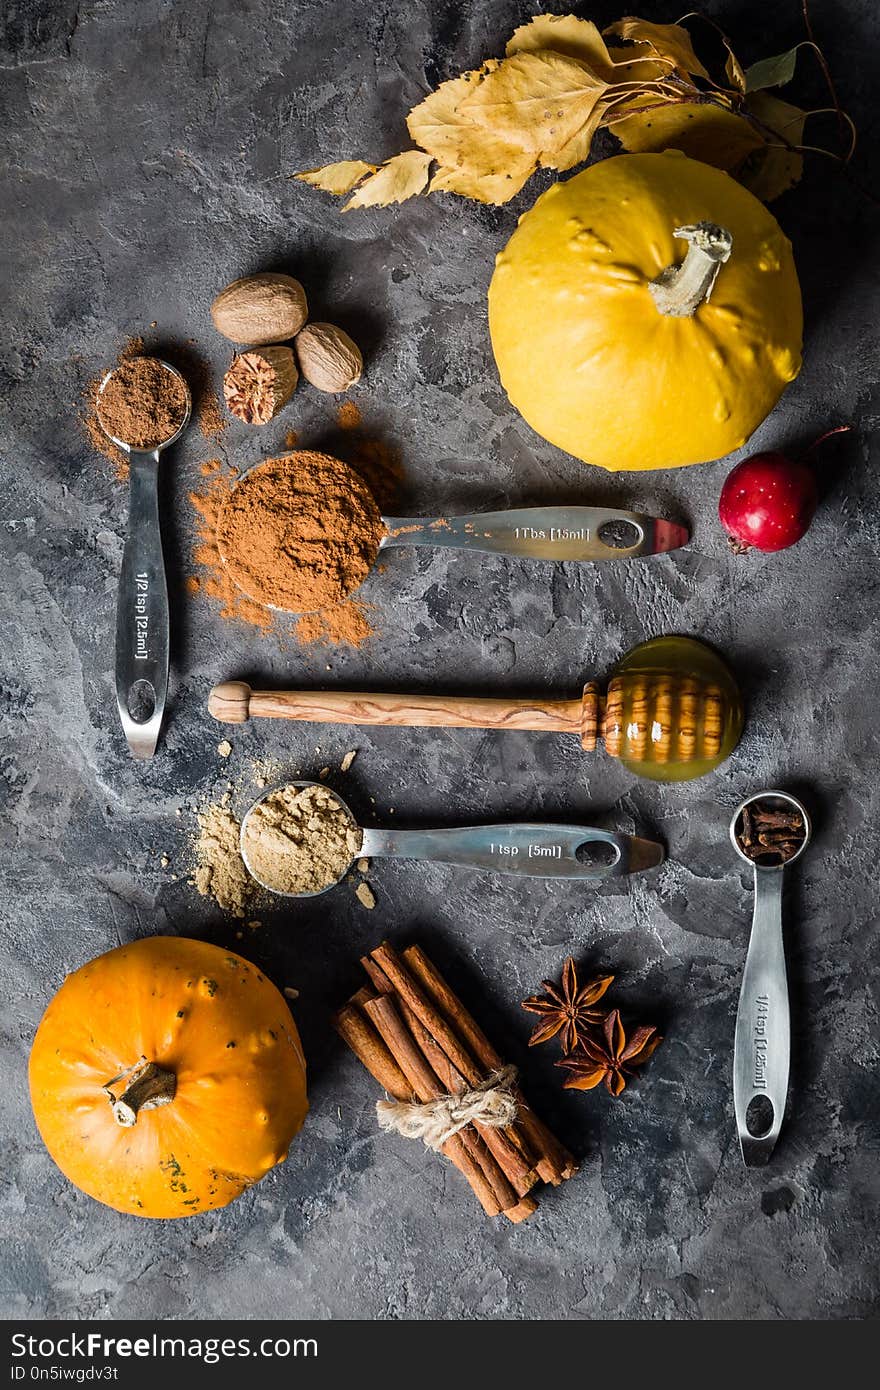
[530, 850]
[142, 621]
[762, 1041]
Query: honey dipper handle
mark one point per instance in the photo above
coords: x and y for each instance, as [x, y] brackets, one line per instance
[234, 702]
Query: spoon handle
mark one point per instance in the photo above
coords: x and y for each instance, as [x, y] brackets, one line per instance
[142, 624]
[530, 850]
[762, 1041]
[543, 533]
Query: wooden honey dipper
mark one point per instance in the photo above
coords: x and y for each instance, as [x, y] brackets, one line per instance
[671, 710]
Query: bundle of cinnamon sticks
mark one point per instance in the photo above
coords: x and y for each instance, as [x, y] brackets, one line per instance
[414, 1035]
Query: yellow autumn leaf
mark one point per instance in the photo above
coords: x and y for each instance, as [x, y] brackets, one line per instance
[337, 178]
[705, 132]
[397, 179]
[773, 169]
[474, 161]
[537, 101]
[577, 149]
[470, 181]
[669, 41]
[637, 62]
[573, 38]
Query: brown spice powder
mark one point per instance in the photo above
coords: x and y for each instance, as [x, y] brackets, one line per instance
[300, 532]
[300, 839]
[142, 403]
[220, 872]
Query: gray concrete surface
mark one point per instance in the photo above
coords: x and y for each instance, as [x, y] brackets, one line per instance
[148, 147]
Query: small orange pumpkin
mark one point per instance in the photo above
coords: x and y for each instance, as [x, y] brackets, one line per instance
[167, 1077]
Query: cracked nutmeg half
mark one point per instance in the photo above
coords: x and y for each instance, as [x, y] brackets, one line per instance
[259, 383]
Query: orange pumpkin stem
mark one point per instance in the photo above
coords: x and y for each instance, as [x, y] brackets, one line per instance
[146, 1086]
[679, 290]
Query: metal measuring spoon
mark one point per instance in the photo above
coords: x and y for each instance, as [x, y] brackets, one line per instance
[762, 1042]
[142, 622]
[531, 850]
[535, 533]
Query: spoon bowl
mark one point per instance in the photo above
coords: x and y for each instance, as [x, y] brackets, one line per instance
[166, 443]
[782, 801]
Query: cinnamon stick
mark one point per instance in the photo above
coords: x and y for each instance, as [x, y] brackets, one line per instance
[504, 1156]
[554, 1163]
[505, 1144]
[369, 1048]
[382, 1012]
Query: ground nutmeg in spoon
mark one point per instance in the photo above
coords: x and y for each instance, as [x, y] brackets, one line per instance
[299, 839]
[299, 532]
[142, 403]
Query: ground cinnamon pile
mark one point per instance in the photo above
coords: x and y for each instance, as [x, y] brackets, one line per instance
[142, 403]
[300, 532]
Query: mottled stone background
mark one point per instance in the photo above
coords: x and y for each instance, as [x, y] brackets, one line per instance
[148, 147]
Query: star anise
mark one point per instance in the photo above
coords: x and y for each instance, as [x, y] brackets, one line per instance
[611, 1059]
[566, 1008]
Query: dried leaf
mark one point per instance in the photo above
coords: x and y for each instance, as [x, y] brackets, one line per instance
[734, 69]
[473, 161]
[706, 132]
[337, 178]
[772, 169]
[470, 182]
[577, 149]
[536, 101]
[771, 72]
[636, 62]
[397, 179]
[669, 41]
[573, 38]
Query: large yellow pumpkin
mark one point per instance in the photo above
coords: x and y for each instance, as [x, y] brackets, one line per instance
[646, 313]
[167, 1077]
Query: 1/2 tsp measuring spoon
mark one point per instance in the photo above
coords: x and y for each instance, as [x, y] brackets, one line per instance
[762, 1041]
[142, 621]
[530, 850]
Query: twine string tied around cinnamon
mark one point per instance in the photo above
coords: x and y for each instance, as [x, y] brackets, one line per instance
[491, 1103]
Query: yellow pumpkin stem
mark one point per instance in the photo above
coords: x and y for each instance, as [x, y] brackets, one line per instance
[679, 290]
[146, 1086]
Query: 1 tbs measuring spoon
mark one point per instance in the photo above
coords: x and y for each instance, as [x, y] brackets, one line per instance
[530, 850]
[142, 622]
[536, 533]
[762, 1042]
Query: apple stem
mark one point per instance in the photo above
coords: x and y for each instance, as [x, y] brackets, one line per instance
[838, 429]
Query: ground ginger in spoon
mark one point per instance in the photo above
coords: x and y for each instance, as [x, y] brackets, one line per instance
[299, 839]
[300, 532]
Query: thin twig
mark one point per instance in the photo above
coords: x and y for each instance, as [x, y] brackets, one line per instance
[826, 72]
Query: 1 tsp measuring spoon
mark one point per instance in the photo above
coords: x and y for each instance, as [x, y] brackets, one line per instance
[530, 850]
[535, 533]
[762, 1042]
[142, 622]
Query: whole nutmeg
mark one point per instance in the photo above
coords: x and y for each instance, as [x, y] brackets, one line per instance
[328, 358]
[260, 309]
